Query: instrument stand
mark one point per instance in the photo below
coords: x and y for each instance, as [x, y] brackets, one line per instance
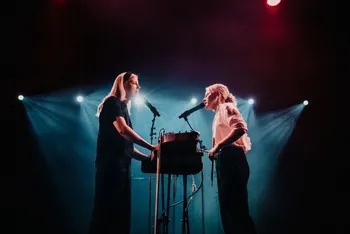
[162, 223]
[164, 218]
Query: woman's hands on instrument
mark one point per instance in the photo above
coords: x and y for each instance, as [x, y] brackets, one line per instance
[155, 148]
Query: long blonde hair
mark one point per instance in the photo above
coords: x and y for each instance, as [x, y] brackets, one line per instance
[223, 92]
[117, 90]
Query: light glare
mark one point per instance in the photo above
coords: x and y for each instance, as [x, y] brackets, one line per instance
[80, 98]
[139, 100]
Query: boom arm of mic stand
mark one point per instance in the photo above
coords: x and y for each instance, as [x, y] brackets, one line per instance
[185, 118]
[202, 146]
[204, 149]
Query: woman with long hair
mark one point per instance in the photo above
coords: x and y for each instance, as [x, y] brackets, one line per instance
[115, 148]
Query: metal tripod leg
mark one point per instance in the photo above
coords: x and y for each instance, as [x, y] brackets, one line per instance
[185, 221]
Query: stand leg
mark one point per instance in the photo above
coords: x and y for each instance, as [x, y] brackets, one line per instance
[187, 219]
[157, 198]
[174, 198]
[166, 214]
[203, 223]
[150, 205]
[163, 206]
[185, 228]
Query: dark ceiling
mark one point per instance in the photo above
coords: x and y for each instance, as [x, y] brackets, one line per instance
[283, 54]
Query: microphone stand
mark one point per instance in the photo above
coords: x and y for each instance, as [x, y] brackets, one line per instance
[202, 147]
[152, 134]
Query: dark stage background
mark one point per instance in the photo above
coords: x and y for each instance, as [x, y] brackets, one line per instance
[279, 55]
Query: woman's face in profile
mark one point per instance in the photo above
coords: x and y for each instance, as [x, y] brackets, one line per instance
[132, 86]
[209, 100]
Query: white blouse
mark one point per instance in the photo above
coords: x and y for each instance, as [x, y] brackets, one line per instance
[225, 120]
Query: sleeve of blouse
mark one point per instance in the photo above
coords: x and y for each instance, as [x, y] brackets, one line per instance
[233, 117]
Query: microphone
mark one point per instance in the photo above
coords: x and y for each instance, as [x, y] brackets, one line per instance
[152, 108]
[190, 111]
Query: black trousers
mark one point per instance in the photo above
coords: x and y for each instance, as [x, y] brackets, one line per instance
[232, 177]
[112, 204]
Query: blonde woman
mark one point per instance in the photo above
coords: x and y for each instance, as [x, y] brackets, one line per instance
[115, 148]
[230, 145]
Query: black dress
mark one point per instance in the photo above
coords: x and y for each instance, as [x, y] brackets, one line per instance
[112, 203]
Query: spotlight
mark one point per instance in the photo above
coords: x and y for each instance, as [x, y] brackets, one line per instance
[80, 98]
[305, 102]
[273, 2]
[20, 97]
[194, 100]
[251, 101]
